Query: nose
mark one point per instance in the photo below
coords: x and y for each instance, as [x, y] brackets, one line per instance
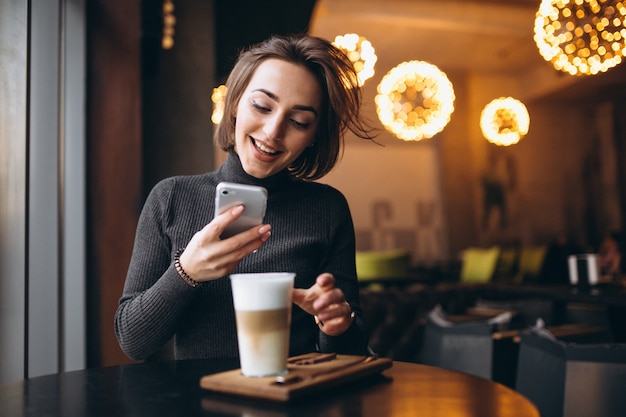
[274, 127]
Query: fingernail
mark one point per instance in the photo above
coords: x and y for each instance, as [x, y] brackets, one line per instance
[237, 210]
[264, 229]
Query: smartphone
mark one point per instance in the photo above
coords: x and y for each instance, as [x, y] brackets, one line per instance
[252, 197]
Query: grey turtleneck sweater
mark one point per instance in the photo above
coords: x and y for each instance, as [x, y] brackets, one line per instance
[312, 232]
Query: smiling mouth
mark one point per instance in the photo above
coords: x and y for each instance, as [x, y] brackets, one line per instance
[263, 149]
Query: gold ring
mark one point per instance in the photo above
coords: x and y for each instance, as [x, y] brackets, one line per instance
[351, 313]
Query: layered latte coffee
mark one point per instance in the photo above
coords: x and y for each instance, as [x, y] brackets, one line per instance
[263, 314]
[264, 334]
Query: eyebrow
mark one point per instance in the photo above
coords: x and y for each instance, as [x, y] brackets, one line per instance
[275, 98]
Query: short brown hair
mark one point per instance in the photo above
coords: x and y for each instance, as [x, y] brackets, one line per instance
[341, 100]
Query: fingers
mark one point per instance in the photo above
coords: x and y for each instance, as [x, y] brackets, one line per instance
[336, 319]
[216, 227]
[319, 295]
[298, 296]
[208, 257]
[326, 292]
[327, 304]
[334, 310]
[325, 280]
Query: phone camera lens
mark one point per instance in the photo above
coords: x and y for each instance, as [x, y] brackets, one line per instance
[224, 192]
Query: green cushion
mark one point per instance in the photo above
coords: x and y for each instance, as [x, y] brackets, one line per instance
[507, 265]
[530, 263]
[479, 264]
[382, 264]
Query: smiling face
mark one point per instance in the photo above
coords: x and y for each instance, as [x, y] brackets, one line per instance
[277, 117]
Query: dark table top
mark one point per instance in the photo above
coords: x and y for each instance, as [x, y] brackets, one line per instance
[603, 294]
[172, 389]
[607, 294]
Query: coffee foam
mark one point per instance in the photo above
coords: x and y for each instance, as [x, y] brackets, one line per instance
[262, 291]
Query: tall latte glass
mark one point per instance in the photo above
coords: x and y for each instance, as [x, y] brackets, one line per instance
[263, 312]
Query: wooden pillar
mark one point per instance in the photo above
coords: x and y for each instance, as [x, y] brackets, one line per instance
[114, 164]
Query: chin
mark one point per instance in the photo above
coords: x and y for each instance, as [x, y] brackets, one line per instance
[257, 173]
[262, 171]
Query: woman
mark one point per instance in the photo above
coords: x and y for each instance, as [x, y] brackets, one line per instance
[289, 102]
[610, 258]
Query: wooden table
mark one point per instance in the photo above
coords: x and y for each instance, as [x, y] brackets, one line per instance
[606, 295]
[172, 389]
[611, 296]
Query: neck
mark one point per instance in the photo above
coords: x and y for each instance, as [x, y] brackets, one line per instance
[233, 171]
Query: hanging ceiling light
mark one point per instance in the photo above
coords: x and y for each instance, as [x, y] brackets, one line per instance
[218, 96]
[415, 100]
[504, 121]
[361, 53]
[581, 36]
[169, 21]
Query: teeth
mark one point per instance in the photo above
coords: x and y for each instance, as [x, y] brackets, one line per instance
[264, 149]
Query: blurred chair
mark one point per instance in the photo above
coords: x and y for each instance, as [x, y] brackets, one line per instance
[395, 319]
[591, 314]
[506, 267]
[531, 259]
[515, 266]
[527, 310]
[379, 265]
[571, 379]
[479, 264]
[460, 344]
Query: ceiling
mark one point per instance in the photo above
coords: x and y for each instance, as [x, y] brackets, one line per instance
[483, 36]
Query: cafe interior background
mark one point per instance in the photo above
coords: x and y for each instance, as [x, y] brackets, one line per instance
[102, 98]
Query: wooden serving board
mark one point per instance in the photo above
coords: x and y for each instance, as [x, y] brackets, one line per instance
[311, 376]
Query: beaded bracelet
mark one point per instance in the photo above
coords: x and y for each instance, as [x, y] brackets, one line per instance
[181, 272]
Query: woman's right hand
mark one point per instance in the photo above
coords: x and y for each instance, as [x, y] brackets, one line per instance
[207, 257]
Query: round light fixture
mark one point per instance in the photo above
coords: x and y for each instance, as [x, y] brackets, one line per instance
[581, 37]
[504, 121]
[361, 53]
[415, 100]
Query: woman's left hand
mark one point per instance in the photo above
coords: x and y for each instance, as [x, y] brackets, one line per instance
[327, 303]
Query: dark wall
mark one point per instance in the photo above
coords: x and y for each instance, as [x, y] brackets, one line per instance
[176, 91]
[242, 23]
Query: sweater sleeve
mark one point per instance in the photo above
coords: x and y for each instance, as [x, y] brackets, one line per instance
[340, 261]
[154, 298]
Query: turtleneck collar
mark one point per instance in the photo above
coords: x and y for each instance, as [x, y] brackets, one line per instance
[233, 171]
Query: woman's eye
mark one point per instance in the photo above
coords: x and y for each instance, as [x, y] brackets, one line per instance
[260, 107]
[300, 125]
